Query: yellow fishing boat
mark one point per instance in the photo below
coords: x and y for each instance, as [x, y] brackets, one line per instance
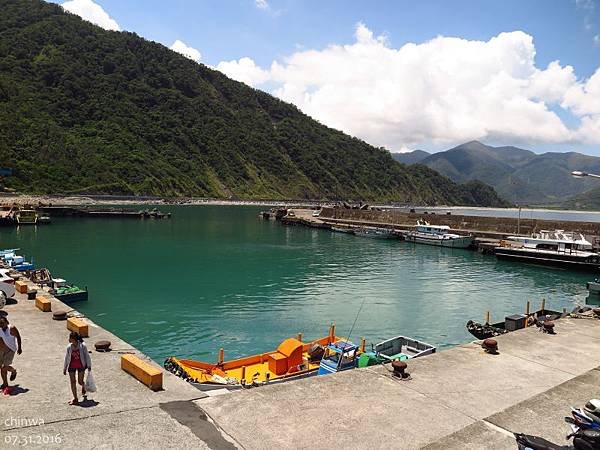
[292, 359]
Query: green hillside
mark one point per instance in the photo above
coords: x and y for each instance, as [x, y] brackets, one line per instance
[84, 110]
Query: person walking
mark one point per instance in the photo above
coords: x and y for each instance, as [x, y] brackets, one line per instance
[10, 343]
[77, 360]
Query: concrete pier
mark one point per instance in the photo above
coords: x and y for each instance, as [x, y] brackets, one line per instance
[124, 413]
[461, 398]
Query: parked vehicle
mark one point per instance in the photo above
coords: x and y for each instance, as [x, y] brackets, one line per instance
[6, 291]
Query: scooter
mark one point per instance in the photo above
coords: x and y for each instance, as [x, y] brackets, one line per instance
[582, 440]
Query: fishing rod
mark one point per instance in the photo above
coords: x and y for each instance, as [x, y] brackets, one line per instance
[352, 327]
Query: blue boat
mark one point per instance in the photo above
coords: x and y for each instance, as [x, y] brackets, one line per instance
[341, 355]
[15, 261]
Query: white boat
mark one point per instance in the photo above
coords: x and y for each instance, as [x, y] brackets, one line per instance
[559, 240]
[439, 235]
[555, 248]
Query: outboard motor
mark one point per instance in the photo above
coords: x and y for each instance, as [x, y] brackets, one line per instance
[316, 352]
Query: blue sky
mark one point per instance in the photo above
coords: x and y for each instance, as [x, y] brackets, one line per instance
[268, 31]
[230, 29]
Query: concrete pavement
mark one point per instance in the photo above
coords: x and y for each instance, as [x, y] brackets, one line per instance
[123, 413]
[458, 398]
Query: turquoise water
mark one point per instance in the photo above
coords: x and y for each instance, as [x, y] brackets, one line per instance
[217, 276]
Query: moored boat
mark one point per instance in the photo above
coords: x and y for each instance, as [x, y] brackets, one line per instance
[554, 248]
[340, 355]
[438, 235]
[593, 287]
[16, 262]
[27, 217]
[402, 347]
[377, 233]
[511, 323]
[291, 360]
[346, 230]
[69, 293]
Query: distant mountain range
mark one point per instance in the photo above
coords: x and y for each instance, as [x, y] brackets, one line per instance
[518, 175]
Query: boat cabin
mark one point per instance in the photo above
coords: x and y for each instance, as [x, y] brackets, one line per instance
[425, 227]
[341, 355]
[557, 240]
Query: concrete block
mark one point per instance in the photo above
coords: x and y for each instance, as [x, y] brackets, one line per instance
[78, 325]
[142, 371]
[21, 287]
[43, 304]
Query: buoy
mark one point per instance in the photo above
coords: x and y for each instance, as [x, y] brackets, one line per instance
[102, 346]
[490, 346]
[59, 315]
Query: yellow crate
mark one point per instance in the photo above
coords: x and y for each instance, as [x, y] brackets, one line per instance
[78, 325]
[21, 287]
[142, 371]
[43, 304]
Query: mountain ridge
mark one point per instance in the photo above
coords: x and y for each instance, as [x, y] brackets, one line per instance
[518, 175]
[85, 110]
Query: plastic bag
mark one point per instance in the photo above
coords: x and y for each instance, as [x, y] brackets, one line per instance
[90, 383]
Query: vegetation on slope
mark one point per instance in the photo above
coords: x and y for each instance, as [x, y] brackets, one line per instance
[84, 110]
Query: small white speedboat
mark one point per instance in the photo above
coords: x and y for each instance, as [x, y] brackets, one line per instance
[439, 235]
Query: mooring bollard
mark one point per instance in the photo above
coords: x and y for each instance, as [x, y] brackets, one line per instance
[400, 369]
[490, 346]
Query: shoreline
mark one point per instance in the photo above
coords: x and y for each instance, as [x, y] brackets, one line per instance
[113, 200]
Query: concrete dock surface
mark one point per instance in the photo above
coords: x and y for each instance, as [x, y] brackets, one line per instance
[124, 413]
[461, 398]
[458, 398]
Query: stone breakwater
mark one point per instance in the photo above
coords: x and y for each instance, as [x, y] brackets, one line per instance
[491, 225]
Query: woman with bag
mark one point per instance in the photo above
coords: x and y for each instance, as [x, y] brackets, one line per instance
[77, 360]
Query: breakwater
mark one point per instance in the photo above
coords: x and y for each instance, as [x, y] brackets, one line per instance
[492, 226]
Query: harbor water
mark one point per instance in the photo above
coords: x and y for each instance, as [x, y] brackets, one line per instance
[217, 276]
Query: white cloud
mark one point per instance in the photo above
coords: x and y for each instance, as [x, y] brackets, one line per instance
[187, 51]
[596, 39]
[443, 91]
[584, 98]
[244, 70]
[92, 12]
[262, 4]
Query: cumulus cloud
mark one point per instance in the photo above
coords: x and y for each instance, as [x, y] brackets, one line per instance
[92, 12]
[446, 90]
[262, 4]
[187, 51]
[244, 70]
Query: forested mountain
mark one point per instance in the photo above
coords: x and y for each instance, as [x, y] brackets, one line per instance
[84, 110]
[413, 157]
[518, 175]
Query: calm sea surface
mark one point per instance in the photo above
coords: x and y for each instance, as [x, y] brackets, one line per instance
[217, 276]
